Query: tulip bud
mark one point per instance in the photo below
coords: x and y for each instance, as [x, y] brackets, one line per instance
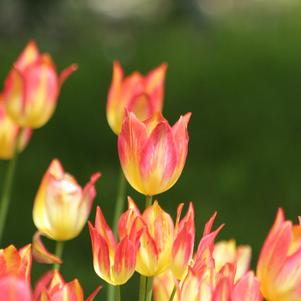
[136, 93]
[152, 153]
[16, 262]
[279, 265]
[154, 255]
[52, 287]
[113, 262]
[61, 206]
[32, 88]
[9, 132]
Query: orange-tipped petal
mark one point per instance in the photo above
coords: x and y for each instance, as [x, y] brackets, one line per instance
[66, 73]
[183, 243]
[93, 294]
[29, 55]
[40, 253]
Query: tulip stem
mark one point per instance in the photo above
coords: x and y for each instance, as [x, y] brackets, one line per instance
[117, 293]
[7, 187]
[173, 293]
[149, 289]
[119, 205]
[142, 288]
[148, 201]
[58, 252]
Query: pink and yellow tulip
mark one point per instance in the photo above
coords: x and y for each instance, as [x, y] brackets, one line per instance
[136, 93]
[32, 88]
[113, 262]
[279, 265]
[152, 153]
[162, 245]
[9, 131]
[16, 262]
[52, 287]
[61, 206]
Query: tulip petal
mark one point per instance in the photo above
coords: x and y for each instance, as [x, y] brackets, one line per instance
[40, 253]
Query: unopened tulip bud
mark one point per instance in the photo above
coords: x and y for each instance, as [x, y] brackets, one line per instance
[136, 93]
[32, 88]
[61, 206]
[152, 153]
[279, 265]
[113, 262]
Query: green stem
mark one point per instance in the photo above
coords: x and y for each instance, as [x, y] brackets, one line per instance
[119, 205]
[7, 187]
[148, 201]
[142, 289]
[58, 252]
[173, 293]
[117, 293]
[149, 289]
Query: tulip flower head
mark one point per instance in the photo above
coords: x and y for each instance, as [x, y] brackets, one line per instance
[279, 265]
[152, 153]
[136, 93]
[9, 131]
[113, 262]
[61, 206]
[52, 287]
[32, 88]
[16, 262]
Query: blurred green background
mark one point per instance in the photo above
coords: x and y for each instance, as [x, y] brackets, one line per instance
[235, 65]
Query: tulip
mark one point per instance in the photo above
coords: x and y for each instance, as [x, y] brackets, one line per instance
[9, 132]
[227, 252]
[156, 240]
[52, 287]
[113, 262]
[61, 206]
[32, 88]
[13, 288]
[279, 264]
[140, 94]
[152, 153]
[16, 262]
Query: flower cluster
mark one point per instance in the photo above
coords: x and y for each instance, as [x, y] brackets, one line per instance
[152, 154]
